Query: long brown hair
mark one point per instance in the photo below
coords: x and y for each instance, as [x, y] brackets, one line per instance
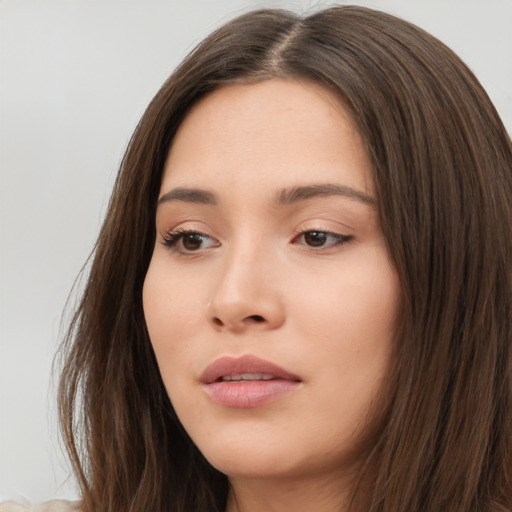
[442, 164]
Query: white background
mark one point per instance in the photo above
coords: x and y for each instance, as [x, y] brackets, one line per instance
[75, 76]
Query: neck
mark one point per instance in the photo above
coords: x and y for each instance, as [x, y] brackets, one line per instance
[326, 494]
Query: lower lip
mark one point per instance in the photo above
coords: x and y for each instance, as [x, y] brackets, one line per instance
[248, 394]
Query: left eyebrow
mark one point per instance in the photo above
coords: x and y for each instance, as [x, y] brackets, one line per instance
[302, 193]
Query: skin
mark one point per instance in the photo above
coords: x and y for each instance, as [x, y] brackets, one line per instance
[258, 282]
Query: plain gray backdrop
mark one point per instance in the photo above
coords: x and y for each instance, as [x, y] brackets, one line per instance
[75, 76]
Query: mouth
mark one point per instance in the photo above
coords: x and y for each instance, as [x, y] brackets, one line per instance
[245, 377]
[247, 382]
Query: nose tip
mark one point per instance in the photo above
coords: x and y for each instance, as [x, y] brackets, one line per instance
[238, 305]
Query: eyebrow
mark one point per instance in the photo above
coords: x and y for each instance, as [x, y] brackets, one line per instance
[284, 197]
[188, 195]
[302, 193]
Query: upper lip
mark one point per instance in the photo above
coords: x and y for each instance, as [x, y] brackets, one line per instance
[245, 364]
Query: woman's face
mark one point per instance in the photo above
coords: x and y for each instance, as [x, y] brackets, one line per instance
[270, 299]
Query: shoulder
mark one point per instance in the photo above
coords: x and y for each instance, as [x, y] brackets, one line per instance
[49, 506]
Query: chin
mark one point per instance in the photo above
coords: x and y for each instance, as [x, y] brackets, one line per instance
[249, 454]
[282, 456]
[262, 467]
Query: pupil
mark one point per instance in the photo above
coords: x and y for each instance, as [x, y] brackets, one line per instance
[315, 238]
[192, 241]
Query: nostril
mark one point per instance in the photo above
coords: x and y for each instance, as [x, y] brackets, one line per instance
[257, 318]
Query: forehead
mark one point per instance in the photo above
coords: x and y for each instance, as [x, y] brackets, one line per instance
[269, 133]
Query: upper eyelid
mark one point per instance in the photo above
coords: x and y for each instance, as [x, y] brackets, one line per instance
[188, 226]
[339, 231]
[185, 231]
[296, 232]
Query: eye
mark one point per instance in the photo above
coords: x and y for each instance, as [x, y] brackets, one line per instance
[321, 239]
[185, 242]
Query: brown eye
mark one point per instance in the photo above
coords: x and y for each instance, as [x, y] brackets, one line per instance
[315, 238]
[192, 241]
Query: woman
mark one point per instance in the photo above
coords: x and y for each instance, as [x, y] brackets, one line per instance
[300, 298]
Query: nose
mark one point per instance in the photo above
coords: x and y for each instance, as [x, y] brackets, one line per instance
[247, 295]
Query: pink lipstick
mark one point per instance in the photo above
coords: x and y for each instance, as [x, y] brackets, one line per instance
[246, 381]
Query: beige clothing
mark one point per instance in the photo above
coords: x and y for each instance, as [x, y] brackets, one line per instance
[49, 506]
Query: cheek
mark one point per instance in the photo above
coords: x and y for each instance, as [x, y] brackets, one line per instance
[351, 324]
[349, 321]
[172, 309]
[172, 304]
[172, 318]
[357, 301]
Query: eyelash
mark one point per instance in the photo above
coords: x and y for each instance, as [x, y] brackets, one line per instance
[173, 238]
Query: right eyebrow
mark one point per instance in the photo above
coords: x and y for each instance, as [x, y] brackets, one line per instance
[188, 195]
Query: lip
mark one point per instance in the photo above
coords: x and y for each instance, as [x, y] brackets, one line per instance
[242, 393]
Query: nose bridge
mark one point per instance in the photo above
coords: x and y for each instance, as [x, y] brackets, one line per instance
[246, 292]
